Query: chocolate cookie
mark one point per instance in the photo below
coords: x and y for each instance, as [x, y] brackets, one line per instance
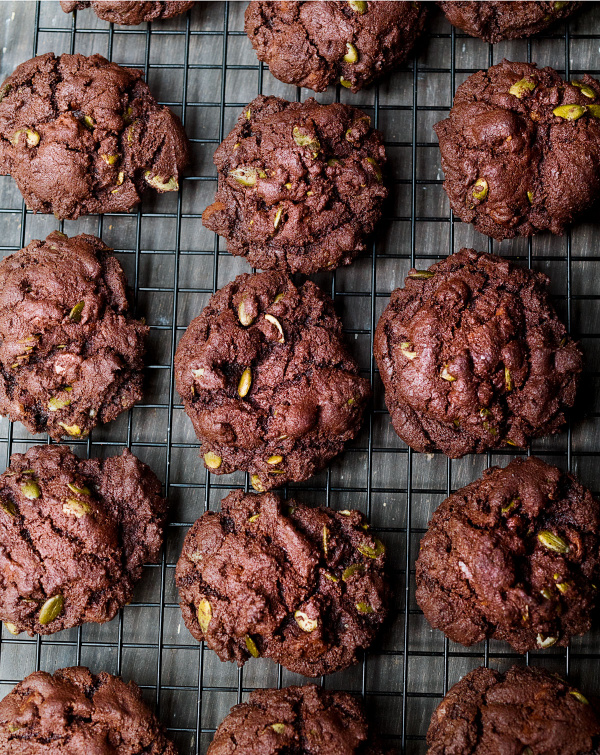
[70, 353]
[514, 556]
[352, 43]
[473, 356]
[76, 712]
[521, 150]
[81, 135]
[303, 586]
[129, 12]
[75, 536]
[295, 719]
[525, 710]
[267, 380]
[300, 185]
[494, 21]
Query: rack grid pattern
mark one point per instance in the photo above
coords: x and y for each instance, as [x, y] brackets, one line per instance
[202, 66]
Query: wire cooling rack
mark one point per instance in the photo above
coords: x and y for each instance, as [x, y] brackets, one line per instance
[204, 68]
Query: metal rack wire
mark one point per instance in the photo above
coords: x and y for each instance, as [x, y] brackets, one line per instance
[203, 67]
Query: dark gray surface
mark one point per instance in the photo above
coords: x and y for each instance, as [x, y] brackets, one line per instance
[208, 76]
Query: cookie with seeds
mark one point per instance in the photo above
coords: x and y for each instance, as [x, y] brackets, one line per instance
[296, 719]
[513, 556]
[523, 710]
[495, 20]
[75, 536]
[76, 712]
[300, 185]
[521, 150]
[71, 354]
[350, 43]
[127, 12]
[268, 382]
[473, 356]
[303, 586]
[81, 135]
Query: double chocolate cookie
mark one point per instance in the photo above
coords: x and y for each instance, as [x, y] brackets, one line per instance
[76, 712]
[300, 185]
[129, 12]
[473, 356]
[513, 556]
[525, 710]
[521, 149]
[350, 43]
[267, 380]
[75, 534]
[82, 135]
[71, 355]
[296, 719]
[494, 20]
[303, 586]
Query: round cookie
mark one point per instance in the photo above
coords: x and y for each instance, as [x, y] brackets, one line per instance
[71, 356]
[300, 185]
[513, 556]
[75, 536]
[303, 586]
[525, 710]
[74, 711]
[351, 43]
[521, 150]
[82, 135]
[494, 20]
[268, 382]
[128, 12]
[305, 719]
[473, 356]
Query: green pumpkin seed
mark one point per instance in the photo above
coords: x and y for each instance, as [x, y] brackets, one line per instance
[420, 274]
[358, 6]
[73, 430]
[245, 383]
[370, 551]
[521, 88]
[352, 55]
[212, 461]
[51, 609]
[480, 190]
[56, 403]
[552, 542]
[251, 645]
[304, 140]
[274, 321]
[75, 313]
[12, 628]
[349, 572]
[257, 484]
[569, 112]
[578, 696]
[364, 608]
[161, 184]
[204, 615]
[8, 507]
[345, 83]
[244, 316]
[31, 490]
[76, 508]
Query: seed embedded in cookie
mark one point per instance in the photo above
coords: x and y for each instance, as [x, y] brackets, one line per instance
[521, 150]
[300, 185]
[268, 382]
[523, 710]
[71, 355]
[303, 586]
[350, 43]
[130, 13]
[495, 21]
[75, 534]
[74, 711]
[472, 356]
[513, 556]
[81, 135]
